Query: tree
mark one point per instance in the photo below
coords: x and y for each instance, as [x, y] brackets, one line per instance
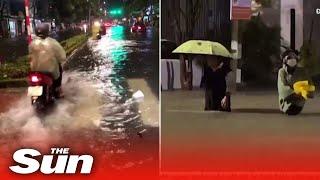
[65, 10]
[136, 6]
[260, 44]
[75, 10]
[4, 5]
[141, 6]
[189, 18]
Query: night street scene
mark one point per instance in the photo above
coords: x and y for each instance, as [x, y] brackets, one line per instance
[240, 88]
[108, 103]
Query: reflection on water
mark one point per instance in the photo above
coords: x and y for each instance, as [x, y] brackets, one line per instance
[119, 112]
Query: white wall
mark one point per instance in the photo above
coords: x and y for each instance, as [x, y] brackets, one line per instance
[197, 73]
[286, 5]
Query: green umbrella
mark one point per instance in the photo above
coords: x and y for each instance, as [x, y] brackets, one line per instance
[203, 47]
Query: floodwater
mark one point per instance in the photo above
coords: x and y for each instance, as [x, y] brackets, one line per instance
[99, 114]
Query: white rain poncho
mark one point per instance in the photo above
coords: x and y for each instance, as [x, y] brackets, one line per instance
[45, 56]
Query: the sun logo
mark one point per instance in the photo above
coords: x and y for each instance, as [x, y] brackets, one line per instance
[65, 163]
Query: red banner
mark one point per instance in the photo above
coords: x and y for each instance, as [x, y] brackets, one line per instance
[240, 9]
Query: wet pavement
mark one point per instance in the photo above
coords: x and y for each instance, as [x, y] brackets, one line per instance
[9, 97]
[254, 137]
[98, 114]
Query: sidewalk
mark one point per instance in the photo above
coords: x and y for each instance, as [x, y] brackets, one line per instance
[255, 136]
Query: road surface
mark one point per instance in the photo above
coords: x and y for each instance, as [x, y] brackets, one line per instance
[254, 137]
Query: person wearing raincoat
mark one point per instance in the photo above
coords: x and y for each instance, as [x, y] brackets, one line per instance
[291, 101]
[46, 55]
[216, 81]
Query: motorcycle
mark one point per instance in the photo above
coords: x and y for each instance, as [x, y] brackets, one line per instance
[41, 91]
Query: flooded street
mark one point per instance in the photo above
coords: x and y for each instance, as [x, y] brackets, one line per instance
[99, 114]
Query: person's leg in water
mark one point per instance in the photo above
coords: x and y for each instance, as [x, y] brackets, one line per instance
[213, 101]
[57, 85]
[209, 104]
[293, 108]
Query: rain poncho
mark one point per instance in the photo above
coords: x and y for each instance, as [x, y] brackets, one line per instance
[46, 55]
[287, 97]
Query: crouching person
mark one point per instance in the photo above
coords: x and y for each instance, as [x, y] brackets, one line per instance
[290, 102]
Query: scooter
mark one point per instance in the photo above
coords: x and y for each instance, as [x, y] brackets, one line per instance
[41, 91]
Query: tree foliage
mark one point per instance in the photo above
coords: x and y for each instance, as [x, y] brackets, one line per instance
[3, 6]
[260, 44]
[190, 15]
[75, 10]
[309, 58]
[265, 3]
[139, 6]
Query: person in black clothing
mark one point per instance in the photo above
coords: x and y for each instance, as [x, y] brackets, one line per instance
[217, 94]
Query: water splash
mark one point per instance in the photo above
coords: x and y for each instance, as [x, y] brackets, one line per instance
[79, 109]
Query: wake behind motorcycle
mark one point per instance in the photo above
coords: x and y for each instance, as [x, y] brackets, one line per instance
[41, 91]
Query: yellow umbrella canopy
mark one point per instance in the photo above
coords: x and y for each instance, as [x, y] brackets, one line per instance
[203, 47]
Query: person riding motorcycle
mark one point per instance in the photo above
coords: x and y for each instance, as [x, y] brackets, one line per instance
[46, 56]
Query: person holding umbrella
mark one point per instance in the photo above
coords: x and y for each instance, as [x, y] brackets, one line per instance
[217, 70]
[216, 81]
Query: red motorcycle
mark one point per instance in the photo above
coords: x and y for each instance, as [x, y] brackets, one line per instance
[41, 90]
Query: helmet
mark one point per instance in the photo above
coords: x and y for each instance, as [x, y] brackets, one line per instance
[42, 30]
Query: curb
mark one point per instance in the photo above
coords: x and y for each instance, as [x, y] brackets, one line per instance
[14, 83]
[22, 82]
[74, 52]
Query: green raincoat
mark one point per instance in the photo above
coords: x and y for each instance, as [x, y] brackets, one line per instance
[287, 98]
